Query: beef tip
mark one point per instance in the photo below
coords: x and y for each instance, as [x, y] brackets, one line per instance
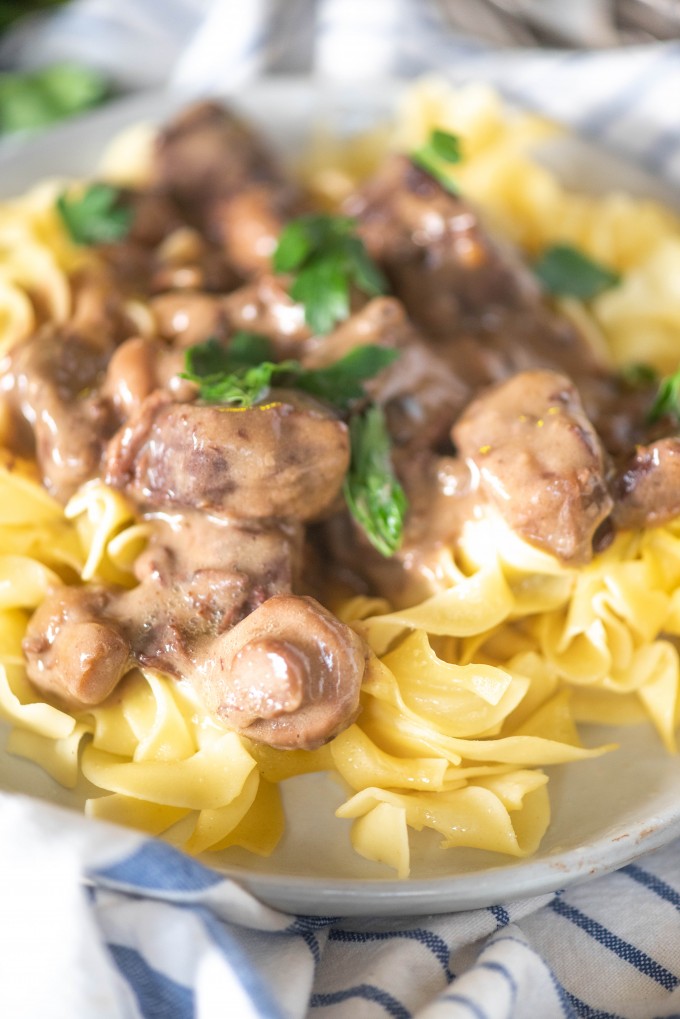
[289, 675]
[99, 314]
[620, 412]
[421, 393]
[504, 341]
[433, 249]
[285, 458]
[73, 650]
[207, 152]
[540, 461]
[646, 487]
[470, 293]
[265, 307]
[50, 381]
[198, 577]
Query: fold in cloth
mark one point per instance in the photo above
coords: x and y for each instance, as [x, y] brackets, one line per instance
[97, 921]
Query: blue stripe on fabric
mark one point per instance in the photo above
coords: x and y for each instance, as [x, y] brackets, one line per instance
[653, 883]
[368, 992]
[249, 978]
[312, 942]
[156, 866]
[461, 999]
[623, 949]
[428, 939]
[603, 116]
[501, 914]
[562, 994]
[157, 995]
[310, 923]
[497, 967]
[586, 1012]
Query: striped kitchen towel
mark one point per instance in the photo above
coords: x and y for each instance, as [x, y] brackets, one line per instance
[100, 922]
[627, 98]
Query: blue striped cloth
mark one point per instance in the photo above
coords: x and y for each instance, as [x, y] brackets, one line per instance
[96, 921]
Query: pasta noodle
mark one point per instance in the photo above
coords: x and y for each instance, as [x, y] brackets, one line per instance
[470, 693]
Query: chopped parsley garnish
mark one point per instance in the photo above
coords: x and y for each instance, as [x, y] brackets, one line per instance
[342, 382]
[232, 375]
[373, 494]
[437, 154]
[567, 272]
[326, 258]
[95, 216]
[212, 358]
[667, 400]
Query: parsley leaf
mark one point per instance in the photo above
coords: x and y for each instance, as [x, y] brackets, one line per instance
[245, 350]
[326, 258]
[95, 216]
[565, 271]
[241, 388]
[667, 400]
[373, 494]
[231, 374]
[342, 382]
[437, 154]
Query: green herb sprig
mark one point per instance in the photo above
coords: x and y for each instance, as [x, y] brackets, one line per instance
[95, 216]
[441, 151]
[372, 492]
[566, 272]
[238, 375]
[667, 402]
[326, 257]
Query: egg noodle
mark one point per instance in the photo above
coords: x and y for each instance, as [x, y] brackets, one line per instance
[469, 694]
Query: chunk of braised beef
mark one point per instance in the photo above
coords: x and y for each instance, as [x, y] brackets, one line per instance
[421, 393]
[285, 458]
[539, 460]
[646, 486]
[207, 152]
[441, 262]
[51, 382]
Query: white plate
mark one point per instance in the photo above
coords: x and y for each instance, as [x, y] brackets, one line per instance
[606, 811]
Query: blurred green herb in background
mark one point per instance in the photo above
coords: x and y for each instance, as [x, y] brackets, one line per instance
[30, 100]
[33, 100]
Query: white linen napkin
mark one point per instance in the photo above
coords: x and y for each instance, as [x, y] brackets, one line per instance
[96, 921]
